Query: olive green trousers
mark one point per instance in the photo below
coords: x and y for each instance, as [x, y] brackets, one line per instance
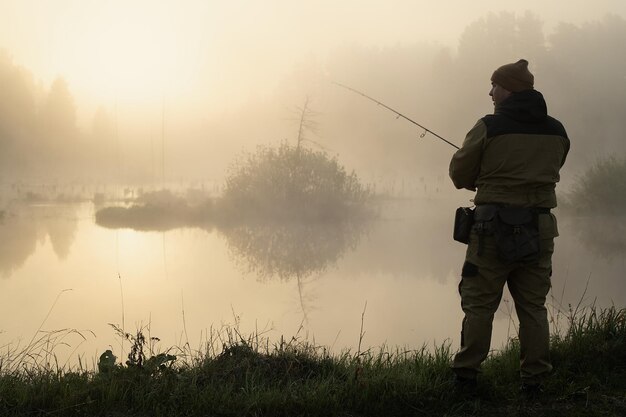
[482, 283]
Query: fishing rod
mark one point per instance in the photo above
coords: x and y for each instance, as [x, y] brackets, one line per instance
[398, 114]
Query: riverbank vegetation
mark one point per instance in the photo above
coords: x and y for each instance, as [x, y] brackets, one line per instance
[238, 375]
[597, 202]
[159, 210]
[290, 182]
[284, 183]
[600, 190]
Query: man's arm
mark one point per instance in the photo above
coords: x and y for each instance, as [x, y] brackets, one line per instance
[465, 163]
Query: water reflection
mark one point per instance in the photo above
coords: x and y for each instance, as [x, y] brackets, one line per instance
[411, 240]
[292, 250]
[23, 227]
[60, 223]
[268, 243]
[404, 264]
[18, 240]
[286, 249]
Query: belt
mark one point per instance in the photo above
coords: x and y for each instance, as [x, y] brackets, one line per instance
[484, 214]
[495, 207]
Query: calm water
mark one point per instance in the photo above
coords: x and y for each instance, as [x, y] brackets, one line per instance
[400, 273]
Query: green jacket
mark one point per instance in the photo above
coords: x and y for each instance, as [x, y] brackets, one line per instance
[513, 156]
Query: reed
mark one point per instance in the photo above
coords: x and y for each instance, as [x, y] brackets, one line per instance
[233, 374]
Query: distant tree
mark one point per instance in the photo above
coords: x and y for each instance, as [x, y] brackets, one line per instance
[17, 110]
[58, 120]
[580, 69]
[60, 110]
[59, 148]
[586, 69]
[502, 37]
[490, 42]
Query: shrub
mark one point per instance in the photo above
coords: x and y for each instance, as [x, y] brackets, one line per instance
[292, 183]
[601, 189]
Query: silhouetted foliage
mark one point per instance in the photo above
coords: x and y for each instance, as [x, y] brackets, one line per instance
[38, 129]
[579, 68]
[292, 183]
[601, 189]
[160, 210]
[599, 197]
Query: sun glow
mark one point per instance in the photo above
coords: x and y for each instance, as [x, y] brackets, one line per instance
[136, 60]
[141, 51]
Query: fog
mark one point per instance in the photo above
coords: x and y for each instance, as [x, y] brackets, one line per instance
[102, 102]
[141, 92]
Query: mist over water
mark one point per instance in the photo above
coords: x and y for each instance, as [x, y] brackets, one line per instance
[176, 112]
[402, 272]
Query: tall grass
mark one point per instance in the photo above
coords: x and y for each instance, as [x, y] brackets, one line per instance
[237, 375]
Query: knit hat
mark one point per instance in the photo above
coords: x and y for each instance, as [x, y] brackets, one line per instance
[514, 77]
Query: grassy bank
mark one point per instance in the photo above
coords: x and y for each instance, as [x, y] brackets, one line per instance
[248, 376]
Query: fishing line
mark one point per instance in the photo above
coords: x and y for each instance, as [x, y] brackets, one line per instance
[398, 114]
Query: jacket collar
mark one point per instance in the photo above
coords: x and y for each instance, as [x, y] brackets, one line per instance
[526, 106]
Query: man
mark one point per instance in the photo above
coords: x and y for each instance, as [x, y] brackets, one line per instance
[512, 160]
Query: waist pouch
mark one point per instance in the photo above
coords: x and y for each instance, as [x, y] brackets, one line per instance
[463, 222]
[515, 230]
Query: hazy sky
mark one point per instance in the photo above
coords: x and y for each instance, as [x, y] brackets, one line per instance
[217, 52]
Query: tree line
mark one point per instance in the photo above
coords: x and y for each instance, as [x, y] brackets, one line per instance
[579, 68]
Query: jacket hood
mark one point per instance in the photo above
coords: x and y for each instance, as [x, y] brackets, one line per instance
[526, 106]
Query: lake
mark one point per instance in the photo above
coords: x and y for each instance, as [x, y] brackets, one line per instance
[392, 282]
